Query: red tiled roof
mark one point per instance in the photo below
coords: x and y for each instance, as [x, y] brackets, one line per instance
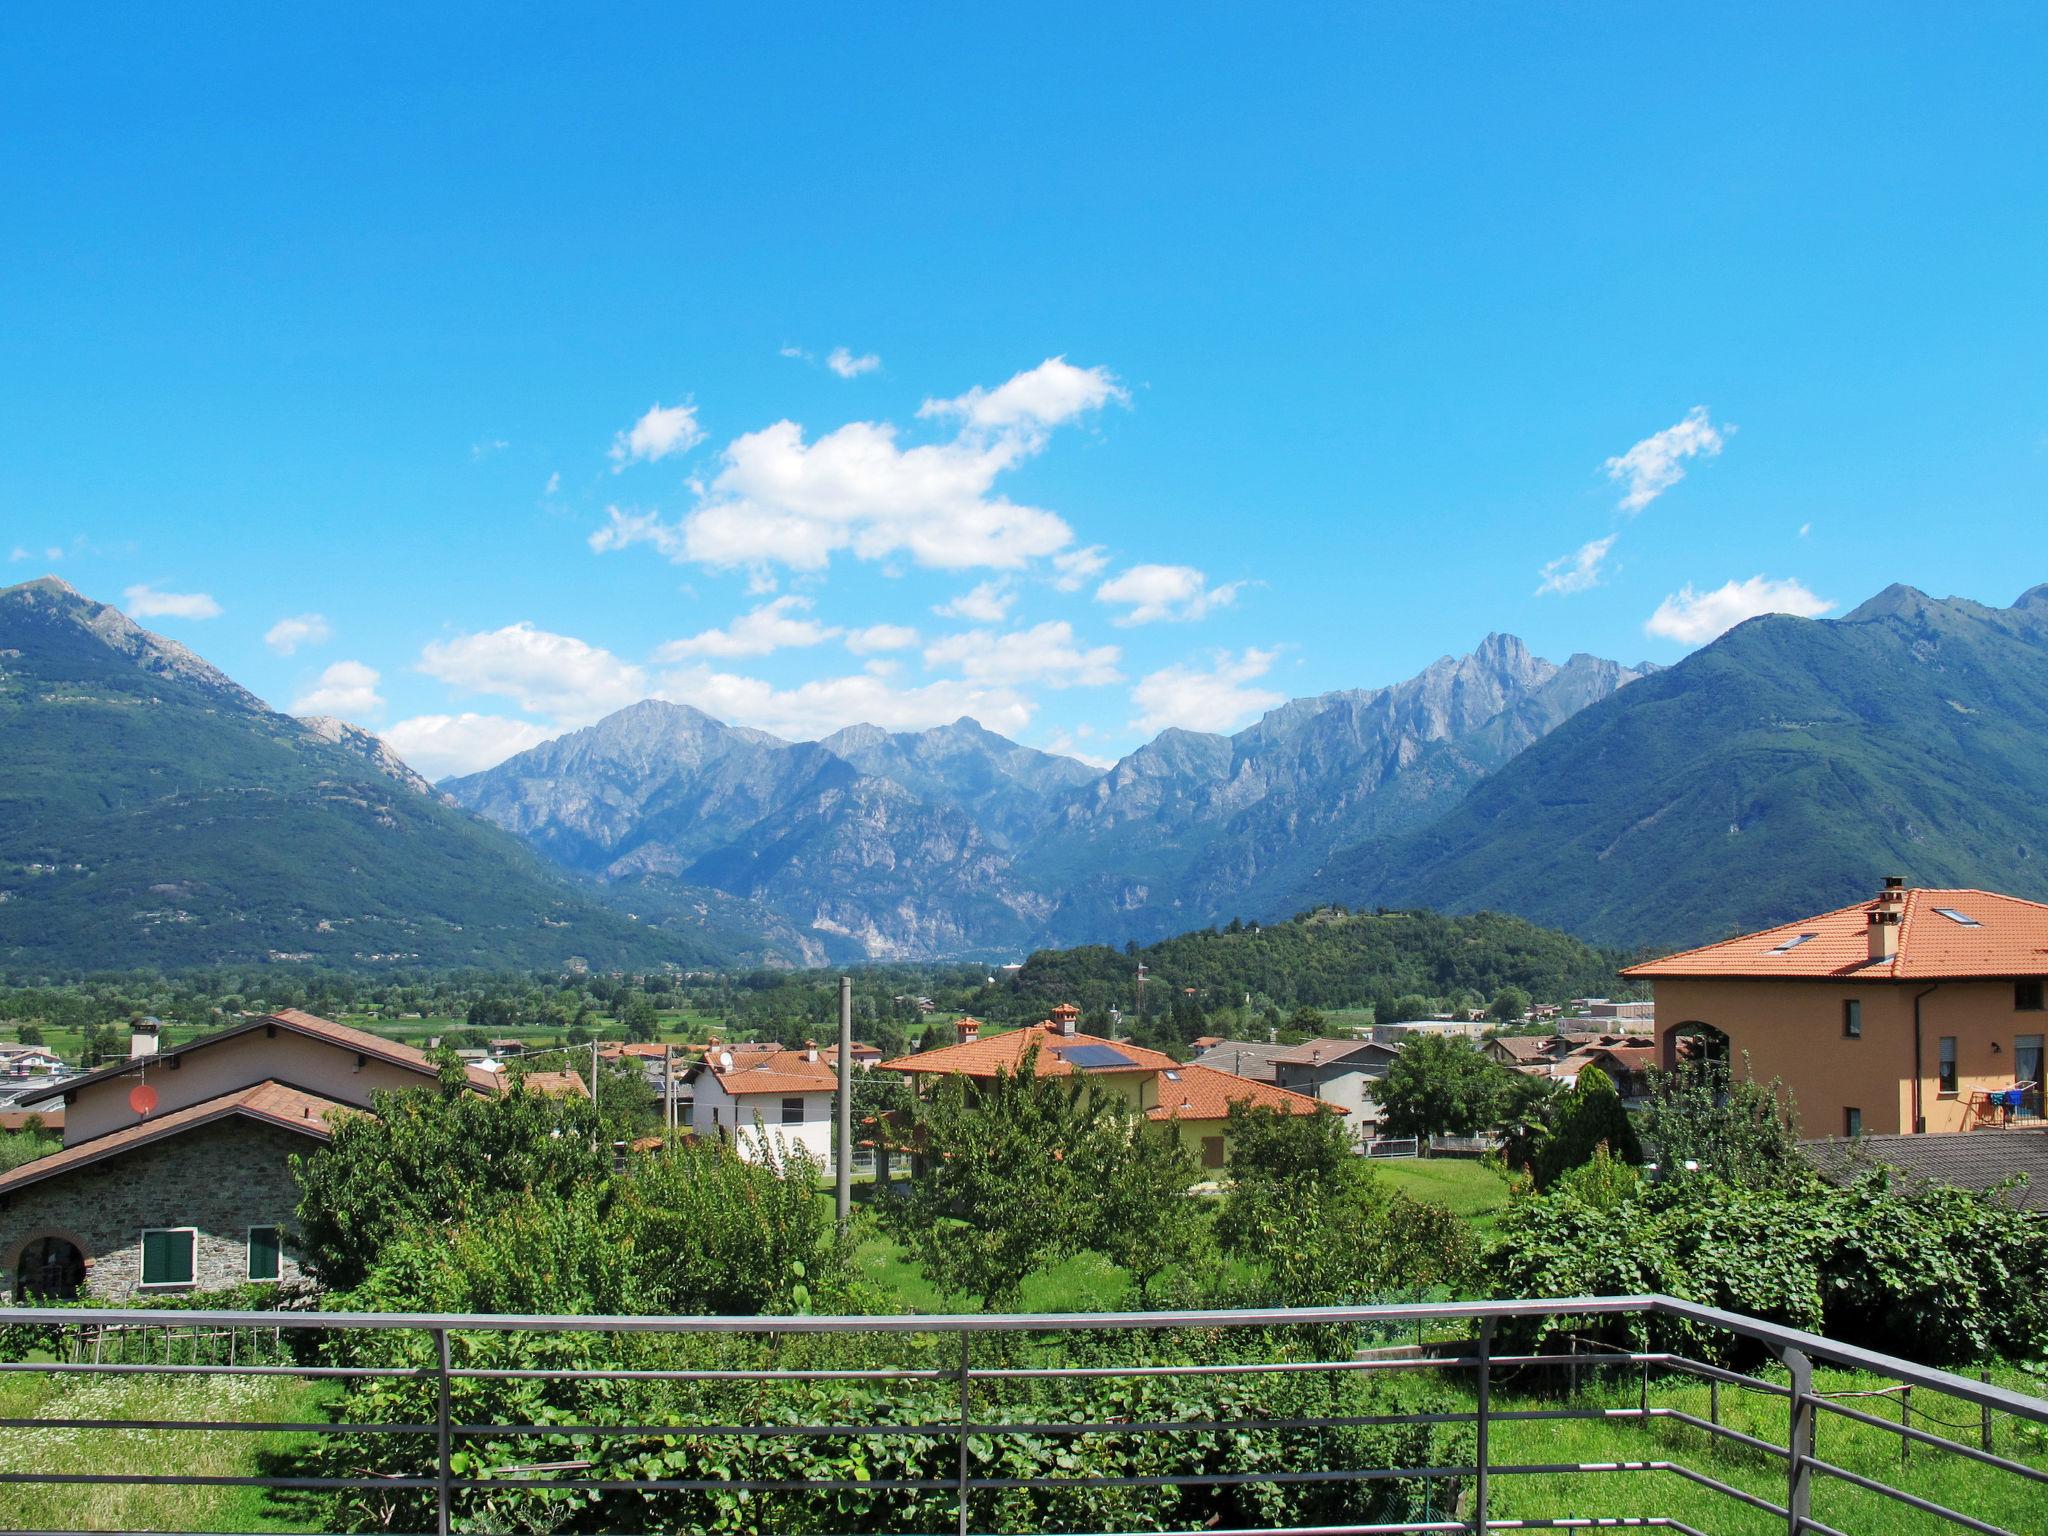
[274, 1103]
[567, 1085]
[51, 1120]
[769, 1070]
[311, 1025]
[1202, 1093]
[2008, 938]
[1005, 1052]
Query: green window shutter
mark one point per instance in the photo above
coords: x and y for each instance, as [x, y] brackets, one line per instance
[167, 1258]
[264, 1254]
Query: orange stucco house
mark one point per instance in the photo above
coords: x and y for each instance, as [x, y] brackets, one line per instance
[1921, 1010]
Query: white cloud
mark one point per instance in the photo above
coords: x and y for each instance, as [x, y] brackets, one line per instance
[287, 635]
[1657, 463]
[18, 554]
[664, 430]
[1577, 571]
[1078, 567]
[881, 637]
[1053, 392]
[1155, 592]
[484, 448]
[545, 673]
[1694, 618]
[347, 689]
[145, 602]
[988, 603]
[847, 366]
[823, 705]
[1045, 653]
[1068, 744]
[780, 500]
[795, 352]
[554, 485]
[1805, 529]
[770, 627]
[1213, 700]
[442, 745]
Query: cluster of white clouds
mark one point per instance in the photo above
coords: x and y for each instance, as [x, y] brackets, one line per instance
[347, 689]
[1214, 697]
[286, 636]
[1151, 593]
[1691, 617]
[664, 430]
[843, 361]
[146, 602]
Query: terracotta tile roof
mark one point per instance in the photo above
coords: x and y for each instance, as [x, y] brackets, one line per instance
[1200, 1093]
[769, 1069]
[645, 1050]
[52, 1119]
[311, 1025]
[2008, 938]
[1522, 1047]
[1312, 1053]
[272, 1102]
[567, 1085]
[1002, 1053]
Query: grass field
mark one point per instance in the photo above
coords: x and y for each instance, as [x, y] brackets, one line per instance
[1466, 1187]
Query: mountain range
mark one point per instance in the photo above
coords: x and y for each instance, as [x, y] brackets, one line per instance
[152, 812]
[957, 841]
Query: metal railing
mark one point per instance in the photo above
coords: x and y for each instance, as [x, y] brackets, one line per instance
[968, 1414]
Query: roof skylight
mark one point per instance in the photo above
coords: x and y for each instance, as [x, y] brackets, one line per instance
[1792, 943]
[1959, 917]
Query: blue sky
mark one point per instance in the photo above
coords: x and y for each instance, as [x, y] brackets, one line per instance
[1192, 358]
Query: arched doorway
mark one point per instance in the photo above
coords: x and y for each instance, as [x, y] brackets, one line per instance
[1696, 1044]
[50, 1269]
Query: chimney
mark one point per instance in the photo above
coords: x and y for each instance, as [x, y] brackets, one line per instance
[142, 1042]
[967, 1029]
[1063, 1019]
[1885, 917]
[810, 1050]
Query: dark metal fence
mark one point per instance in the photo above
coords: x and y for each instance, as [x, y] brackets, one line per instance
[1458, 1341]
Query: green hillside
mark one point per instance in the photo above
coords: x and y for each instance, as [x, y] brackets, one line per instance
[1332, 959]
[152, 813]
[1782, 770]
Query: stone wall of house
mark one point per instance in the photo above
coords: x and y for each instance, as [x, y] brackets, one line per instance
[222, 1178]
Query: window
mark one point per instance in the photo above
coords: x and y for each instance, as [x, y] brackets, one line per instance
[1793, 943]
[792, 1111]
[2026, 996]
[1962, 918]
[1852, 1020]
[1948, 1064]
[1213, 1155]
[1852, 1122]
[265, 1255]
[167, 1255]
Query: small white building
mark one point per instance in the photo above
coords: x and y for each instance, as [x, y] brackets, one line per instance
[764, 1100]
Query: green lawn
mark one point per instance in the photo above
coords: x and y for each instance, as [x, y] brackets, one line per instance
[1466, 1187]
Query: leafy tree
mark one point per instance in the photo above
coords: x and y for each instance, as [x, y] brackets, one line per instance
[29, 1034]
[1145, 1221]
[1735, 1129]
[1510, 1004]
[1587, 1119]
[1267, 1146]
[1439, 1085]
[428, 1157]
[999, 1195]
[26, 1144]
[493, 1014]
[627, 1104]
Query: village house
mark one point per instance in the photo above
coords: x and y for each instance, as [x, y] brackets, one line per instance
[175, 1170]
[1346, 1073]
[1195, 1098]
[22, 1064]
[1920, 1010]
[765, 1100]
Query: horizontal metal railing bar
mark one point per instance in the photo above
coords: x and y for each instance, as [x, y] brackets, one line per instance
[244, 1426]
[1721, 1373]
[211, 1480]
[1939, 1442]
[1594, 1523]
[1678, 1469]
[1754, 1442]
[1911, 1500]
[953, 1484]
[1260, 1368]
[326, 1372]
[1856, 1358]
[467, 1373]
[892, 1322]
[942, 1429]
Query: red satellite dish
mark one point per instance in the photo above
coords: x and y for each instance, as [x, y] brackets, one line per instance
[142, 1099]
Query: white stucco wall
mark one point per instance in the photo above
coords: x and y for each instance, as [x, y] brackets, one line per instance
[714, 1112]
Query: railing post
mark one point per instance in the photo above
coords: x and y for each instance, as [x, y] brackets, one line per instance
[1484, 1395]
[965, 1390]
[1984, 1414]
[1905, 1422]
[1714, 1400]
[444, 1438]
[1799, 1444]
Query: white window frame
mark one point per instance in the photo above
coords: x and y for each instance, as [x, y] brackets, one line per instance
[249, 1251]
[142, 1260]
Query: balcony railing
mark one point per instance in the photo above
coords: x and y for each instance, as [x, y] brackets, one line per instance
[1478, 1347]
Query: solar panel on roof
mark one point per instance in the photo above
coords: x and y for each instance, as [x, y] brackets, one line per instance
[1094, 1057]
[1793, 943]
[1959, 917]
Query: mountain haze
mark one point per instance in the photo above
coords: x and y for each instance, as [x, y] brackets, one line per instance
[1780, 771]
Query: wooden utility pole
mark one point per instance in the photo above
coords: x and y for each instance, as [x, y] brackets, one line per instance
[668, 1085]
[845, 1158]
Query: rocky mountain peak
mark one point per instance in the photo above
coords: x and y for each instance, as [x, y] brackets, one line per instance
[50, 600]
